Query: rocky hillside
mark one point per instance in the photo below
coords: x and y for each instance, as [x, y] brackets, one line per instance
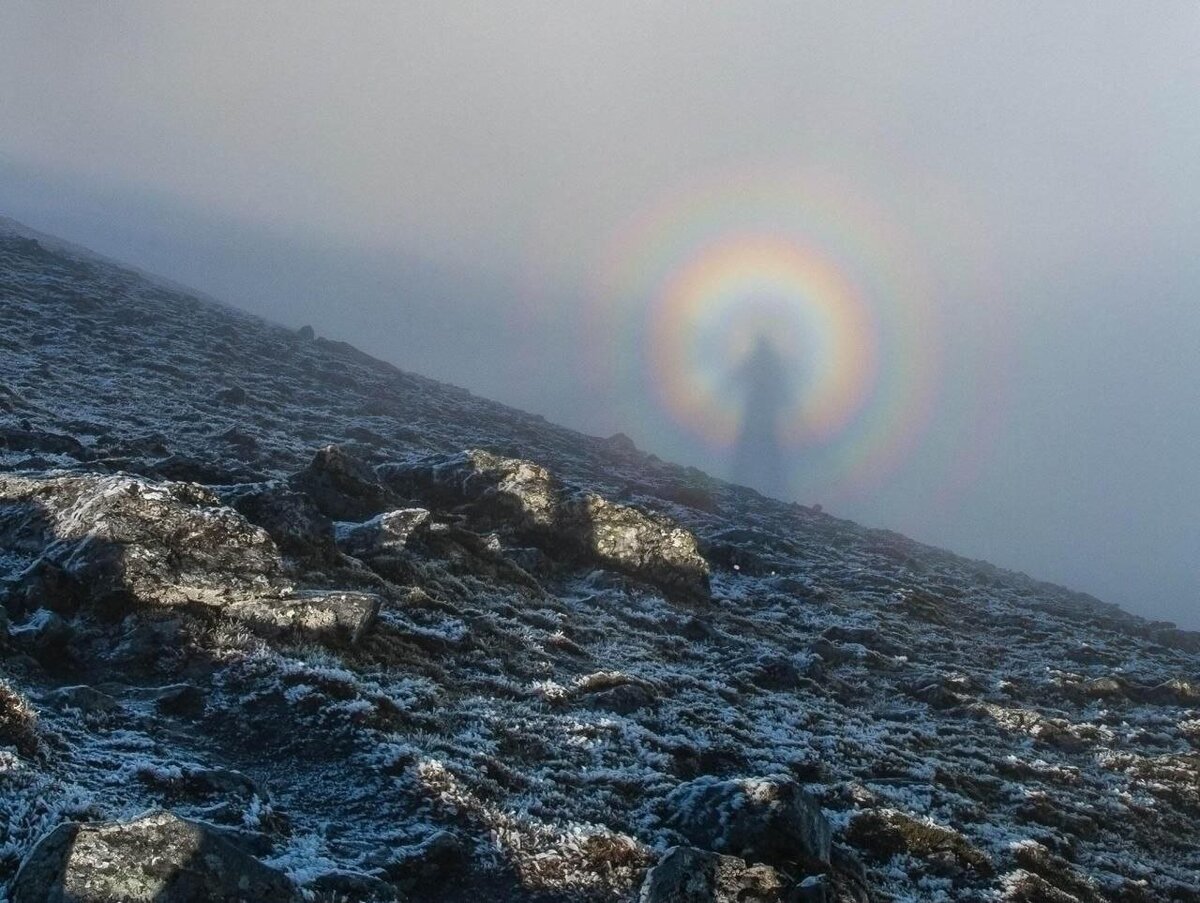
[282, 622]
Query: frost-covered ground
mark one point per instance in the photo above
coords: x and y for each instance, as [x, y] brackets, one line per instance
[512, 721]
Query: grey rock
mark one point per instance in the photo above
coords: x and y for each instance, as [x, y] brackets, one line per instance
[504, 487]
[347, 885]
[1107, 687]
[813, 889]
[623, 699]
[619, 445]
[649, 548]
[327, 617]
[156, 858]
[343, 486]
[770, 819]
[833, 653]
[43, 632]
[1176, 691]
[429, 863]
[385, 533]
[775, 672]
[688, 875]
[291, 518]
[939, 696]
[243, 443]
[146, 641]
[581, 525]
[122, 538]
[862, 636]
[698, 630]
[85, 699]
[30, 440]
[180, 700]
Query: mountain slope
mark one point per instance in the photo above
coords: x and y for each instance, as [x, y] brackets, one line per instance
[465, 653]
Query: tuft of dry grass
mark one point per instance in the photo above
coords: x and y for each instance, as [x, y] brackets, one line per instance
[18, 722]
[887, 832]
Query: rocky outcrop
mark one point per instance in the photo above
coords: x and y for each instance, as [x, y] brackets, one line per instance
[688, 875]
[342, 486]
[383, 534]
[768, 820]
[116, 544]
[504, 489]
[108, 540]
[527, 498]
[39, 441]
[157, 858]
[291, 518]
[649, 548]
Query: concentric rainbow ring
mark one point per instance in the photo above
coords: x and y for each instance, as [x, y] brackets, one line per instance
[686, 287]
[711, 312]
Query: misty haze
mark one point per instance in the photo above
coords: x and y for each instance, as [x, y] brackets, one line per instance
[496, 198]
[558, 427]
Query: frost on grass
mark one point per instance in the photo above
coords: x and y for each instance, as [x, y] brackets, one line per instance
[565, 857]
[517, 716]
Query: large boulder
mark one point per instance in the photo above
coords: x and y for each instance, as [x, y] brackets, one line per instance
[291, 518]
[649, 548]
[30, 440]
[688, 875]
[770, 820]
[527, 499]
[343, 486]
[122, 537]
[156, 858]
[384, 534]
[111, 541]
[510, 490]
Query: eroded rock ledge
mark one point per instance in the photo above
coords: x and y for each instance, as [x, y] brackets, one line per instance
[528, 500]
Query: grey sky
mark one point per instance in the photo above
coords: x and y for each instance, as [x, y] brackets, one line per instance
[438, 182]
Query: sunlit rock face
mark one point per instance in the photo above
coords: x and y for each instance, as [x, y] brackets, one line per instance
[525, 498]
[279, 619]
[156, 858]
[123, 536]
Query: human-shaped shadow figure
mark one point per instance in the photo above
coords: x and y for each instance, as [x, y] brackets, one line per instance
[763, 380]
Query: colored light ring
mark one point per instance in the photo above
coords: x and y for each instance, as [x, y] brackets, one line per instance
[711, 312]
[828, 265]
